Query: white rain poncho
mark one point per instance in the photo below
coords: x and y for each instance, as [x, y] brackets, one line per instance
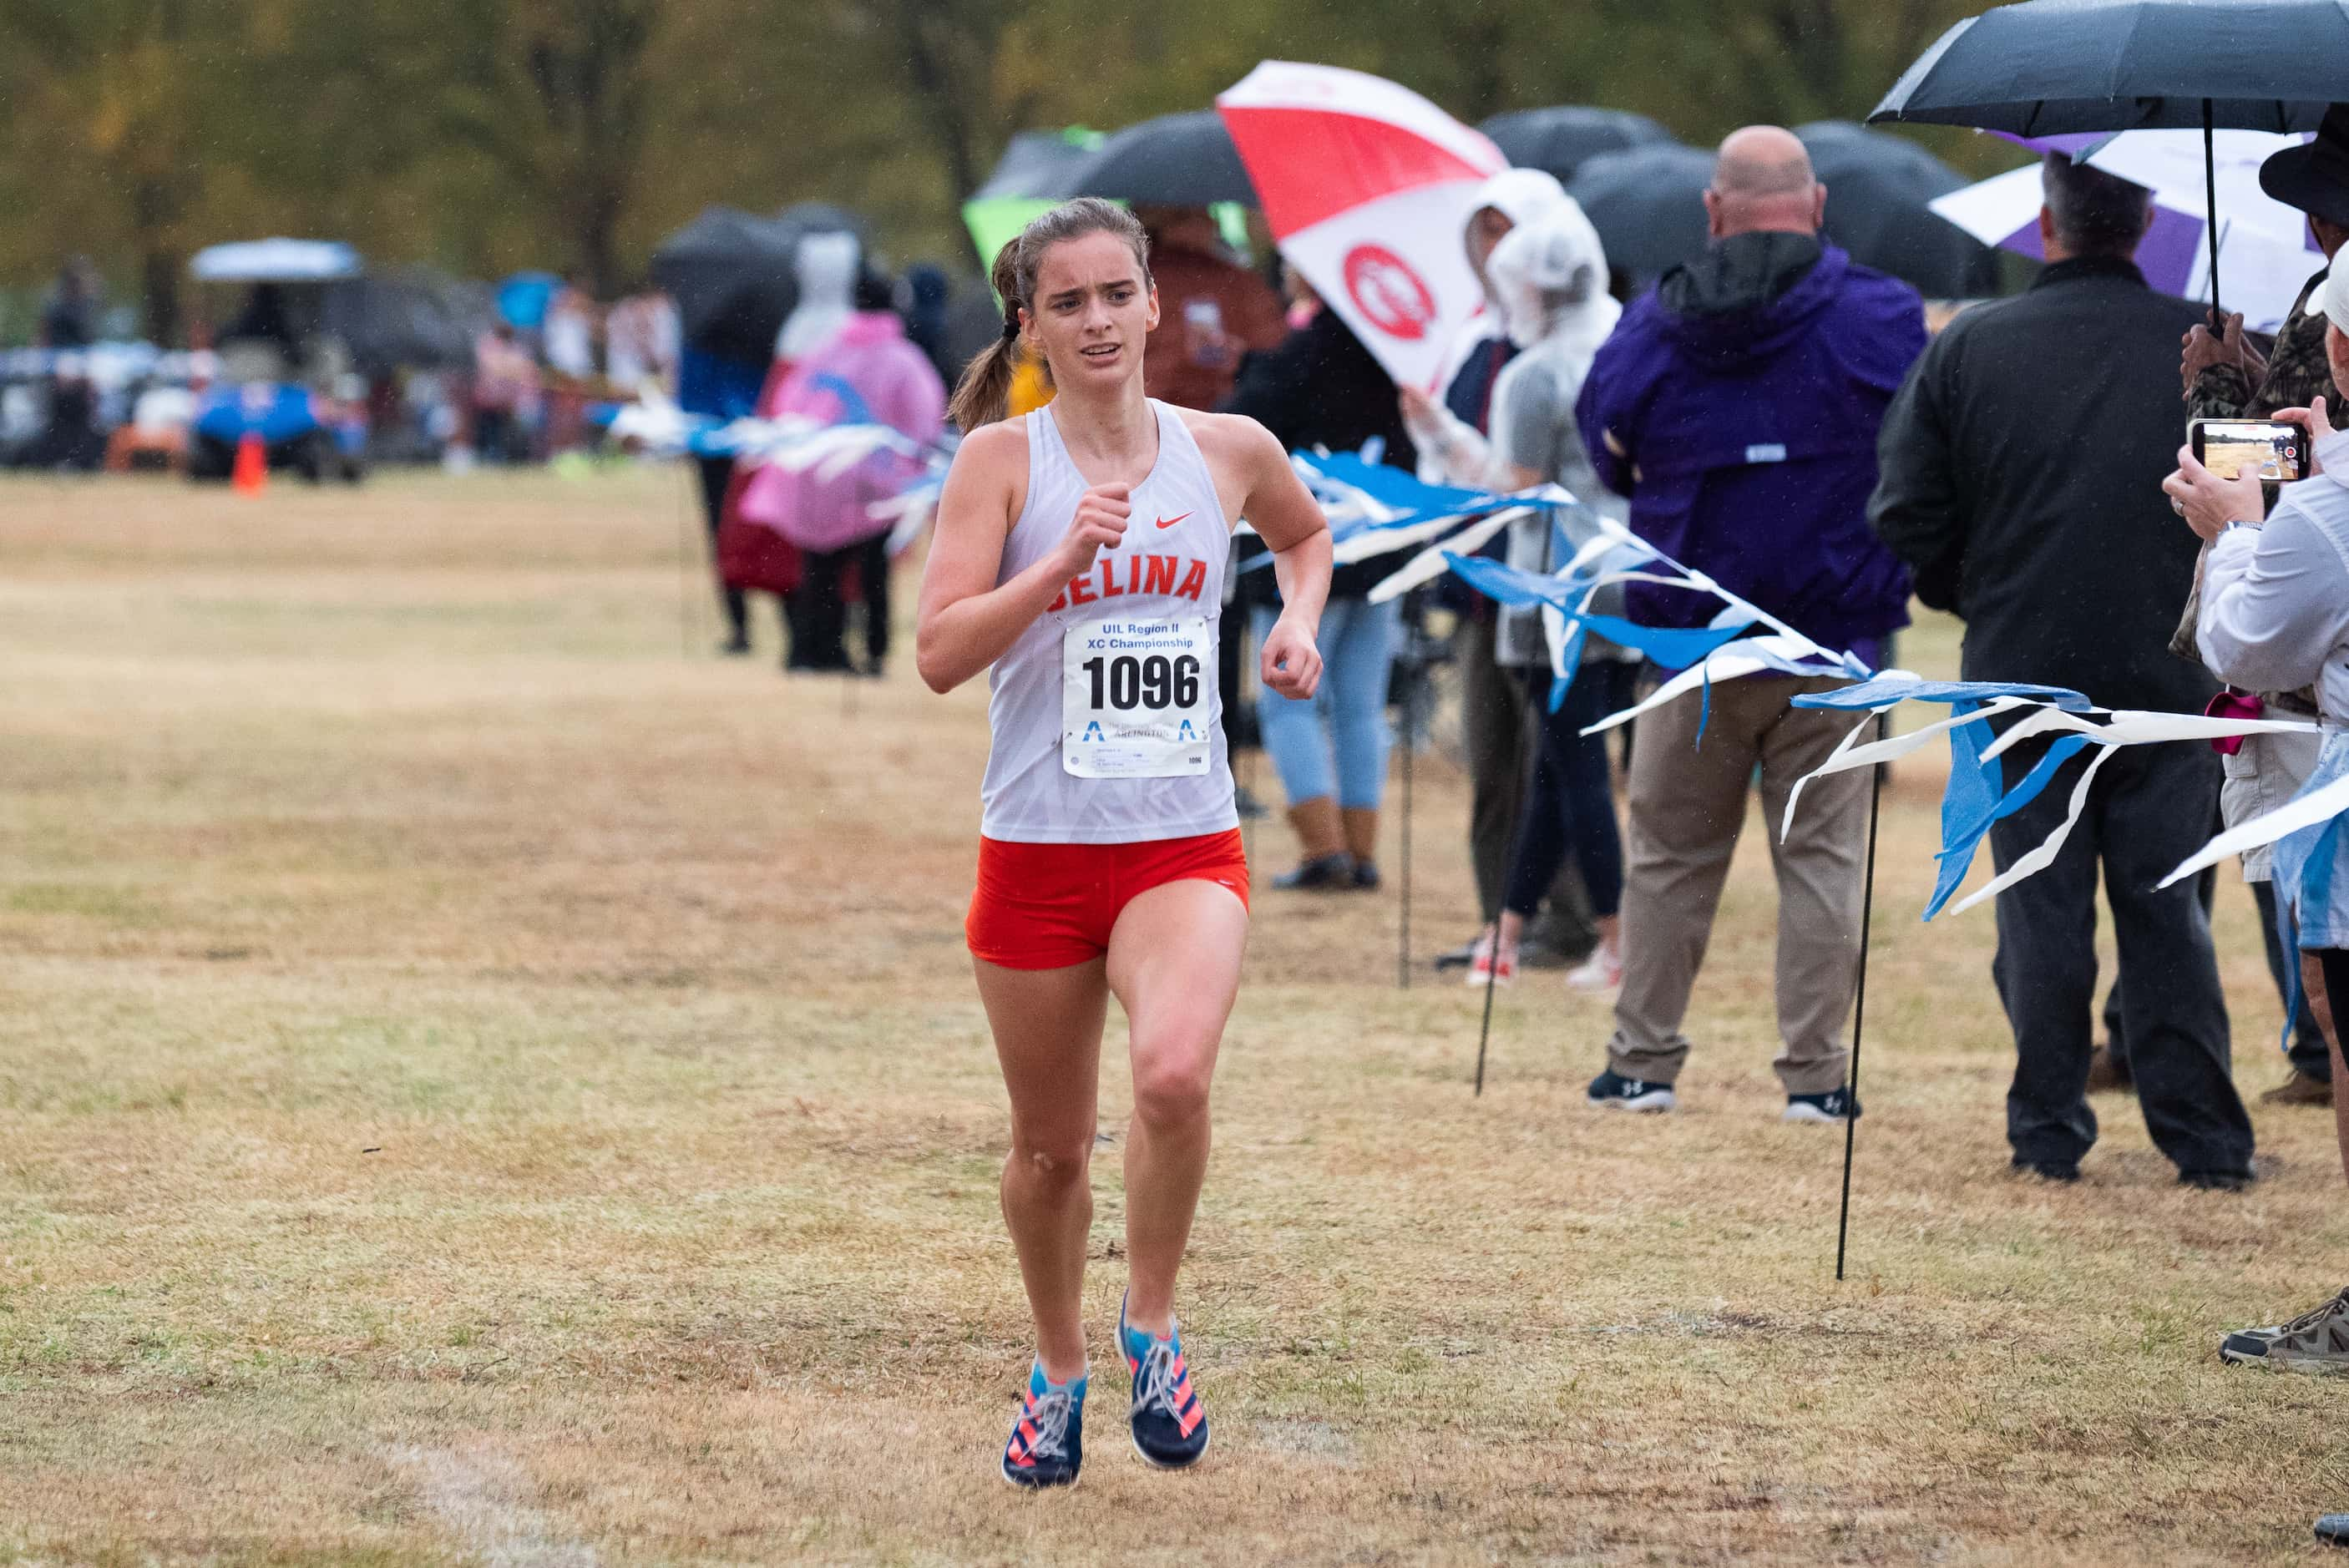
[1523, 196]
[825, 266]
[1548, 277]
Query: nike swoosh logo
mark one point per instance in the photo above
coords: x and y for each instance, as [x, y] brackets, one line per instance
[1170, 521]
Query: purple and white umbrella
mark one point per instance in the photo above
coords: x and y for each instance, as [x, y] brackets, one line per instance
[2265, 250]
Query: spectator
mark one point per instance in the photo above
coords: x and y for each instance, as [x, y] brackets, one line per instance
[1322, 388]
[2226, 379]
[1211, 312]
[640, 341]
[866, 373]
[750, 554]
[1550, 275]
[1737, 407]
[722, 387]
[70, 318]
[568, 337]
[2063, 575]
[1494, 719]
[925, 318]
[505, 382]
[2275, 617]
[70, 440]
[266, 318]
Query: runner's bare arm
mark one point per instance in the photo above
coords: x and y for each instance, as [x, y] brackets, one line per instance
[1287, 519]
[966, 621]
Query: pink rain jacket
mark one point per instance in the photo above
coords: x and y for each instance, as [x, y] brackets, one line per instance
[866, 373]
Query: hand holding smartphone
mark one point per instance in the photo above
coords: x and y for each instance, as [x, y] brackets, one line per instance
[2232, 447]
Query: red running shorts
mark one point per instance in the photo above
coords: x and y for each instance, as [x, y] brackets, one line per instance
[1047, 906]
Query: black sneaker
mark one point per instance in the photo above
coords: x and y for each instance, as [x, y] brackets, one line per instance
[1459, 958]
[1366, 877]
[1835, 1105]
[2216, 1180]
[1322, 874]
[1170, 1425]
[1613, 1091]
[1048, 1444]
[2062, 1171]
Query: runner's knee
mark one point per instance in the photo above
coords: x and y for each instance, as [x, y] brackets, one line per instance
[1059, 1161]
[1170, 1087]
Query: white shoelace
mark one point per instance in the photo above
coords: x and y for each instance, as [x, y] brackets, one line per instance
[1154, 1383]
[1050, 1417]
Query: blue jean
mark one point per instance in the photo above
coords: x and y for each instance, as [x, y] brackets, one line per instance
[1347, 717]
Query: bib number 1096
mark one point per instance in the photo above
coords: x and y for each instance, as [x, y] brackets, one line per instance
[1137, 699]
[1125, 683]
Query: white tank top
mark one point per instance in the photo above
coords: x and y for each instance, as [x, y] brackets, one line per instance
[1168, 568]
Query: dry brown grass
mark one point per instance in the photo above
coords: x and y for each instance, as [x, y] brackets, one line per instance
[476, 1084]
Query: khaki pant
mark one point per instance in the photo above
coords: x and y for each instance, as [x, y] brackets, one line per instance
[1687, 807]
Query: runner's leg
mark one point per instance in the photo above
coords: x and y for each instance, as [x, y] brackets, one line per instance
[1174, 963]
[1048, 1029]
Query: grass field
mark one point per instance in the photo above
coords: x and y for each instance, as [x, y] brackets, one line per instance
[483, 1079]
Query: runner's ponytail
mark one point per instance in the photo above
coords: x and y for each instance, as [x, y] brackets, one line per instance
[983, 395]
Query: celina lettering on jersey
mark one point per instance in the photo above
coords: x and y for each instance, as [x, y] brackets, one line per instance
[1113, 576]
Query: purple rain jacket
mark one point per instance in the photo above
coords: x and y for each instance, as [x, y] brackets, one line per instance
[1737, 406]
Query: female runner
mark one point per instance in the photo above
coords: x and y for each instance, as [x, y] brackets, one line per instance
[1080, 551]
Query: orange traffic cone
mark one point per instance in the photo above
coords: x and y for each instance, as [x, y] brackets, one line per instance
[251, 474]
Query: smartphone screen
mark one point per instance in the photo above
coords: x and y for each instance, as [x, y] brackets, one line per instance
[2231, 448]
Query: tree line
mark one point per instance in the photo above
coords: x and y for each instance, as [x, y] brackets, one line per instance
[482, 136]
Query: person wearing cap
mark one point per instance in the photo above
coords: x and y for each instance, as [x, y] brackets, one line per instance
[2023, 466]
[2274, 616]
[2227, 378]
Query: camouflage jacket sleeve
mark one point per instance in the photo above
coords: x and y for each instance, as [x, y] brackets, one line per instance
[2220, 392]
[2297, 372]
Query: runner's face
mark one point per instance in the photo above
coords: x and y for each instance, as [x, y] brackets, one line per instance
[1093, 312]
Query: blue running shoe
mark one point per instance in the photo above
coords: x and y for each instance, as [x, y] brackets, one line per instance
[1048, 1444]
[1612, 1091]
[1170, 1425]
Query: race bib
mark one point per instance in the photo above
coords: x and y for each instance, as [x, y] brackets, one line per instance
[1135, 698]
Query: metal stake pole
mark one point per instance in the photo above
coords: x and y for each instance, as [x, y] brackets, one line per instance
[1859, 1002]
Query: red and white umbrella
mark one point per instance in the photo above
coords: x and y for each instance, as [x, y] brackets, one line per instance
[1368, 187]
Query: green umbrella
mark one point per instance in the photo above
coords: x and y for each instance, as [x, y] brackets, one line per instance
[1033, 163]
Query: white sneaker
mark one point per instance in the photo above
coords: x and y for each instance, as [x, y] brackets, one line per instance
[1602, 971]
[1480, 973]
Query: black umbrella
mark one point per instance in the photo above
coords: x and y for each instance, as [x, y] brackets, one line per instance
[2056, 66]
[1562, 140]
[730, 273]
[1037, 163]
[1879, 191]
[412, 318]
[1174, 160]
[1647, 205]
